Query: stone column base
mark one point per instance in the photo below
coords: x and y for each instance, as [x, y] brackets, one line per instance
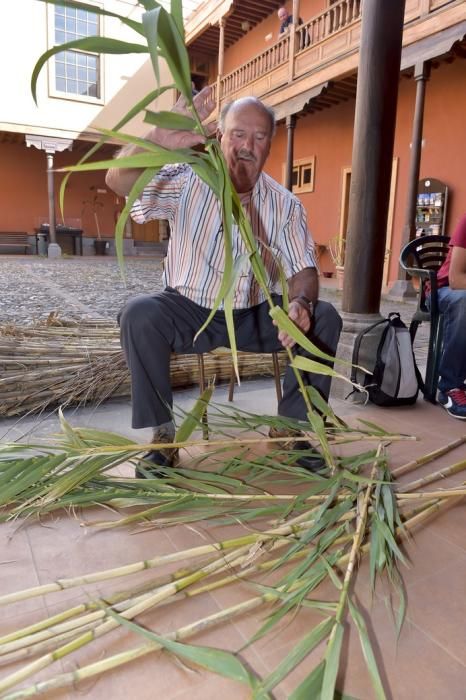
[54, 250]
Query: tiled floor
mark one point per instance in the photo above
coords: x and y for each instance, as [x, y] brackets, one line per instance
[427, 661]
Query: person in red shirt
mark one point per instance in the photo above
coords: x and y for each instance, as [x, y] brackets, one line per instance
[451, 280]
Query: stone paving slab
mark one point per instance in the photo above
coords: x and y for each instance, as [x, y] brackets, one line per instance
[32, 287]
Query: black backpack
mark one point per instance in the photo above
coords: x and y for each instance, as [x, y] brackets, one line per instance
[385, 350]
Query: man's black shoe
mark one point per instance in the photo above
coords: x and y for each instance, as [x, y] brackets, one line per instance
[312, 461]
[149, 465]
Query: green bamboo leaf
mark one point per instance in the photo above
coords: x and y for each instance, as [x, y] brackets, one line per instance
[299, 652]
[317, 575]
[194, 417]
[389, 503]
[72, 436]
[367, 650]
[139, 161]
[100, 44]
[176, 11]
[139, 107]
[332, 662]
[224, 293]
[332, 574]
[161, 31]
[391, 542]
[149, 4]
[284, 322]
[24, 474]
[207, 173]
[222, 662]
[324, 408]
[373, 427]
[307, 365]
[150, 21]
[170, 120]
[324, 542]
[311, 686]
[144, 178]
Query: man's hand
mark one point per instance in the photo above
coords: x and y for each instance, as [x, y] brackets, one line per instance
[173, 139]
[301, 317]
[121, 180]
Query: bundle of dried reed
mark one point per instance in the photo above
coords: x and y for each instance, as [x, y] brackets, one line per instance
[68, 363]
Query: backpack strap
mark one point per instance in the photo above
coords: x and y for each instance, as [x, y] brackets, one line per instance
[357, 345]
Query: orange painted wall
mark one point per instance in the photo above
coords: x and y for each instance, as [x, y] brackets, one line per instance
[23, 191]
[254, 41]
[328, 135]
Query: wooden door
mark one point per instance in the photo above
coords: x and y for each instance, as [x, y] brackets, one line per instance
[148, 232]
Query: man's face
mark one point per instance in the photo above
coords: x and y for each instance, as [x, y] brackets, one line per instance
[282, 14]
[245, 144]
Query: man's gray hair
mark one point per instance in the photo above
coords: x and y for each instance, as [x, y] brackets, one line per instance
[246, 100]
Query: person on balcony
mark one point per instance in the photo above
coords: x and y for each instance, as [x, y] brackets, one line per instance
[152, 327]
[285, 20]
[451, 280]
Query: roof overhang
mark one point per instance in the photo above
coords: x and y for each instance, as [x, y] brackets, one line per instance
[432, 46]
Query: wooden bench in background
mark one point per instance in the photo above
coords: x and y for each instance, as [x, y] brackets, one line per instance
[14, 239]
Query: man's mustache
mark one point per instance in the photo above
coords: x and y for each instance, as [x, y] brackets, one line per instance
[244, 154]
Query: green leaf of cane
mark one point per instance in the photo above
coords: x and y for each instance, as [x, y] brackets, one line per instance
[332, 662]
[222, 662]
[311, 686]
[299, 652]
[194, 417]
[170, 120]
[367, 650]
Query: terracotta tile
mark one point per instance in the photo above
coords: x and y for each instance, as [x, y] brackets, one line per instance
[17, 570]
[451, 525]
[62, 548]
[213, 688]
[428, 555]
[413, 666]
[437, 605]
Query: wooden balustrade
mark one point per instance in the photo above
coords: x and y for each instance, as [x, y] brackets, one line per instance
[315, 33]
[336, 17]
[276, 55]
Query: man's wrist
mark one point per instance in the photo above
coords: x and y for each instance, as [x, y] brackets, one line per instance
[305, 302]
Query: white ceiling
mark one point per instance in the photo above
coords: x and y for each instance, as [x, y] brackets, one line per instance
[188, 6]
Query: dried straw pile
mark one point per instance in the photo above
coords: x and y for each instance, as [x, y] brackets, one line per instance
[67, 363]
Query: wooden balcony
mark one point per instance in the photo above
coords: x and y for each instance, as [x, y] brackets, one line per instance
[326, 48]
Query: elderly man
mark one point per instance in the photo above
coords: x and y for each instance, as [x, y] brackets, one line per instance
[285, 20]
[152, 327]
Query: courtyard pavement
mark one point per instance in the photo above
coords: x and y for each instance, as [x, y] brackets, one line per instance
[428, 660]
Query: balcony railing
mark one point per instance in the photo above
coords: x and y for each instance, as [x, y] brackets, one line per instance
[337, 17]
[256, 67]
[325, 37]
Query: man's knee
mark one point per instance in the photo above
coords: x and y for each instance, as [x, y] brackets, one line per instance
[140, 313]
[326, 315]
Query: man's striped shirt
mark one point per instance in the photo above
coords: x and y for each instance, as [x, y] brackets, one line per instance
[195, 259]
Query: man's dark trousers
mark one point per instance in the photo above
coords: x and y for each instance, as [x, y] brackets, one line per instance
[152, 327]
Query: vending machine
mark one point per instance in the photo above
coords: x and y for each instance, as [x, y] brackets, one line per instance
[431, 207]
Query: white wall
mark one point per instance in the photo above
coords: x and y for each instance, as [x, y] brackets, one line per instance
[23, 38]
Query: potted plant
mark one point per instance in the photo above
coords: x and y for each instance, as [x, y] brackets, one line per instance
[94, 203]
[336, 247]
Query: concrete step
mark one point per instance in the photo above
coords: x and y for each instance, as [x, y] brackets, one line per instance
[150, 248]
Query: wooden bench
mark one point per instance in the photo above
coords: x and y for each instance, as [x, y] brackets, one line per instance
[14, 239]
